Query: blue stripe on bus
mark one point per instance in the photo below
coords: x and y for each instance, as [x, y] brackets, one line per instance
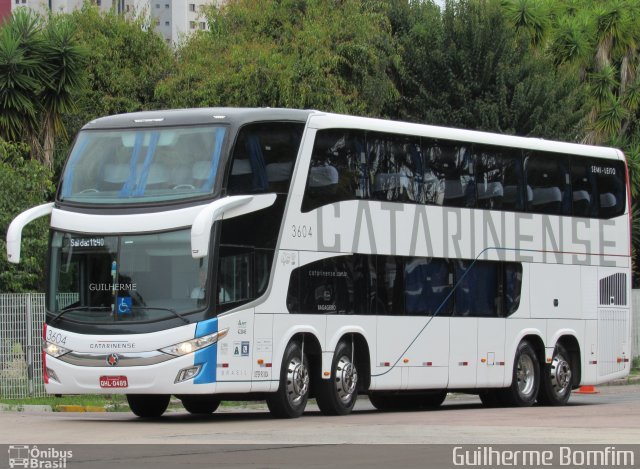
[208, 356]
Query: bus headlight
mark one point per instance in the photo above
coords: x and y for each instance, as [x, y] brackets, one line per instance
[54, 350]
[190, 346]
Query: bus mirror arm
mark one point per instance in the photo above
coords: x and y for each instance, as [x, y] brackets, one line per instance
[14, 233]
[228, 207]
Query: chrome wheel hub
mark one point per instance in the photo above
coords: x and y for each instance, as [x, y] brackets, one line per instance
[346, 379]
[526, 376]
[297, 381]
[560, 374]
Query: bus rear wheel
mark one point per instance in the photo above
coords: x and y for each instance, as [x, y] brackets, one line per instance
[338, 394]
[525, 381]
[490, 397]
[557, 379]
[148, 405]
[290, 400]
[200, 404]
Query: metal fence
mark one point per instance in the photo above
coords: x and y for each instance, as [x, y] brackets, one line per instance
[21, 319]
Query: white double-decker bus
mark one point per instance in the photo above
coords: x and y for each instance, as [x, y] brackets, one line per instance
[220, 254]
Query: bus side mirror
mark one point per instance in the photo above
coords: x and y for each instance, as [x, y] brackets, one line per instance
[232, 206]
[14, 233]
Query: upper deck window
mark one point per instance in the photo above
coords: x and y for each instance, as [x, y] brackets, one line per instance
[142, 166]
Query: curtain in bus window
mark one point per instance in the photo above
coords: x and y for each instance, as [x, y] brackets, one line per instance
[395, 167]
[427, 286]
[389, 285]
[449, 174]
[338, 169]
[363, 274]
[477, 289]
[234, 275]
[583, 188]
[547, 183]
[499, 178]
[264, 157]
[512, 287]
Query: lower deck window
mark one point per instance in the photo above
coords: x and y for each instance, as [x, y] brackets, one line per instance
[414, 286]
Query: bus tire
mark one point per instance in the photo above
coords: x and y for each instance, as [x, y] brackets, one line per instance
[555, 387]
[433, 399]
[148, 406]
[290, 400]
[338, 394]
[490, 397]
[525, 381]
[200, 404]
[383, 402]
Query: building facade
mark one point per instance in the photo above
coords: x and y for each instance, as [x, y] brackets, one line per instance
[172, 19]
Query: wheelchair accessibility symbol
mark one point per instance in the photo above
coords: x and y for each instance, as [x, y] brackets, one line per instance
[124, 305]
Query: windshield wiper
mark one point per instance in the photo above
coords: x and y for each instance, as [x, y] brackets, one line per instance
[172, 311]
[80, 308]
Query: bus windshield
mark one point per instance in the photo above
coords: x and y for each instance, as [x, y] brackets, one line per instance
[139, 278]
[142, 165]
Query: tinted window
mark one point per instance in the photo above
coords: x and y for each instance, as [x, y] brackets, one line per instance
[395, 166]
[390, 285]
[583, 188]
[547, 183]
[323, 287]
[499, 178]
[338, 169]
[477, 289]
[449, 177]
[427, 285]
[393, 285]
[512, 286]
[610, 182]
[263, 158]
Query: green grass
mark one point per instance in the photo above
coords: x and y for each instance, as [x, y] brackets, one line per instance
[110, 402]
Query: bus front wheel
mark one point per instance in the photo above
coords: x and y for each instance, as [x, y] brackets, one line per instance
[555, 388]
[148, 405]
[337, 395]
[290, 400]
[525, 382]
[200, 404]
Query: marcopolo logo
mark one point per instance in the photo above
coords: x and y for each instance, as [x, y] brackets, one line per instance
[34, 457]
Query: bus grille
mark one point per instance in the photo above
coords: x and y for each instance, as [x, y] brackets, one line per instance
[613, 290]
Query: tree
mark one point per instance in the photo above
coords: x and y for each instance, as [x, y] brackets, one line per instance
[464, 67]
[125, 62]
[41, 66]
[24, 183]
[323, 54]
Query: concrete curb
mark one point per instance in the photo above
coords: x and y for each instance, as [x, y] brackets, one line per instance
[79, 408]
[25, 408]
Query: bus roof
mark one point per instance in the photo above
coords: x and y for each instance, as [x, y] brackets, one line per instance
[327, 120]
[323, 120]
[171, 117]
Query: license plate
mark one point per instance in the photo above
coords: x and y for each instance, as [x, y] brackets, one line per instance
[114, 382]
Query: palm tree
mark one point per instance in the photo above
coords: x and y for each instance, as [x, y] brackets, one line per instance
[64, 61]
[41, 68]
[20, 76]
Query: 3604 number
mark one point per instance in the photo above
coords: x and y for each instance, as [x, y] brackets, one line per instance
[301, 231]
